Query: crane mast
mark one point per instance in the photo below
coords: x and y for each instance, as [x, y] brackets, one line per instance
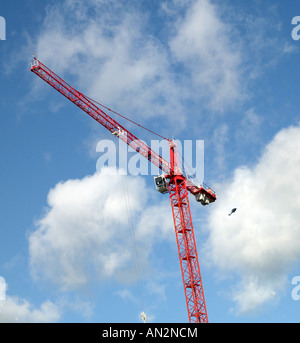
[178, 186]
[186, 244]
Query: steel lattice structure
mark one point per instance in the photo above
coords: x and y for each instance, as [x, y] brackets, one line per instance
[178, 186]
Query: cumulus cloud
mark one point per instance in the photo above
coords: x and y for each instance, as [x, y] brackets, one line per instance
[14, 309]
[87, 230]
[259, 243]
[112, 54]
[203, 43]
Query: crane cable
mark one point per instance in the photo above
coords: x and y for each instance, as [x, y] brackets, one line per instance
[133, 247]
[185, 165]
[122, 116]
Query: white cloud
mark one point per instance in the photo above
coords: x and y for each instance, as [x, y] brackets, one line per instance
[259, 243]
[203, 43]
[17, 310]
[112, 56]
[85, 234]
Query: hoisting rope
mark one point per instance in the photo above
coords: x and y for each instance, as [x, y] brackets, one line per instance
[133, 247]
[184, 165]
[130, 120]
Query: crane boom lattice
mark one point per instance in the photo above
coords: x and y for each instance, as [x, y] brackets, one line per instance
[96, 113]
[178, 185]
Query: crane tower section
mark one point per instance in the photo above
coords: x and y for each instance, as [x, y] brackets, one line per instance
[175, 181]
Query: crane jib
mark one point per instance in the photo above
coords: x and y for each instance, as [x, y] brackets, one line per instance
[178, 186]
[88, 106]
[100, 116]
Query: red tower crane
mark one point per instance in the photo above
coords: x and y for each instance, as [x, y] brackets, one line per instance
[175, 181]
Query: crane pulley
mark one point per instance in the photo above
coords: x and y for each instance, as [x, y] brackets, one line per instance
[174, 181]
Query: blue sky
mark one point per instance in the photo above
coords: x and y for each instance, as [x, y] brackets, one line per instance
[225, 72]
